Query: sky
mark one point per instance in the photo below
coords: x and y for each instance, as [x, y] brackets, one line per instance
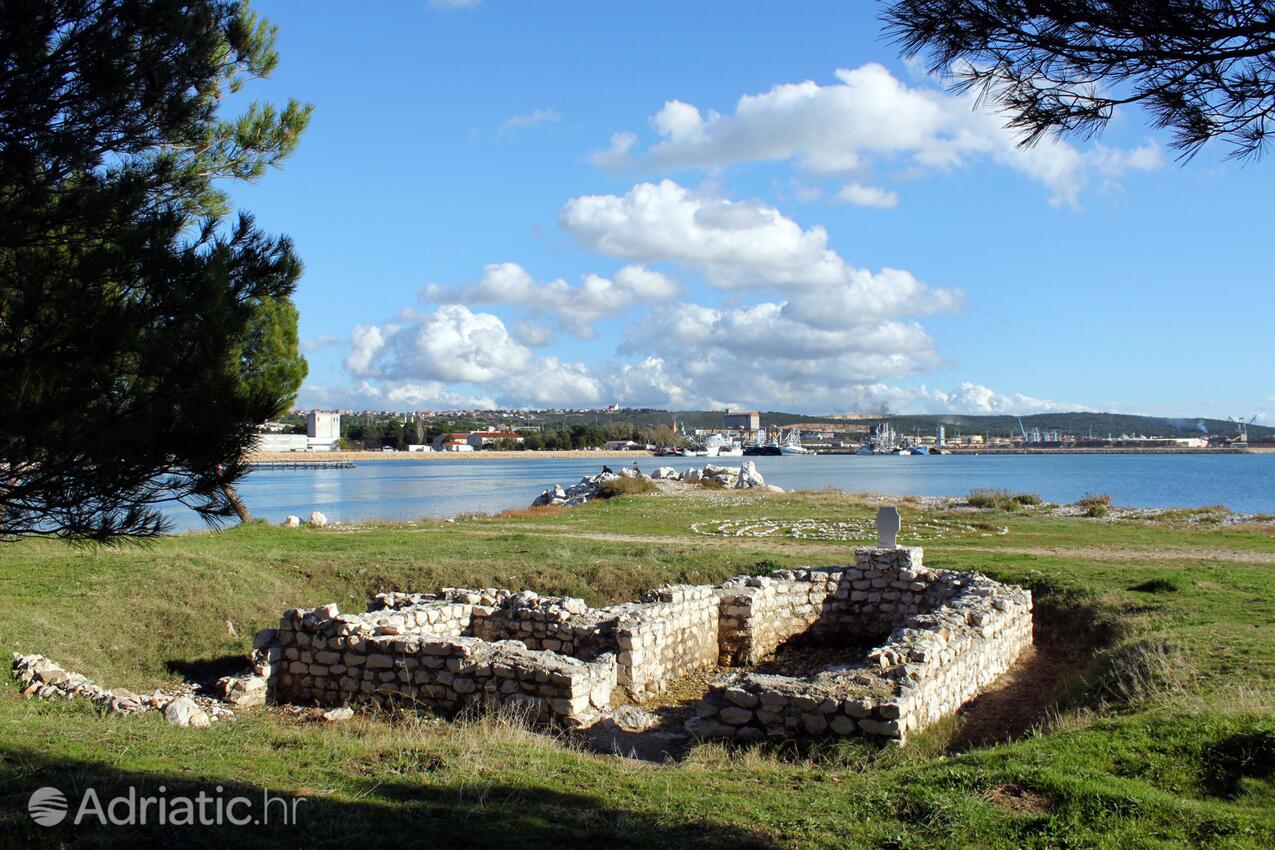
[745, 204]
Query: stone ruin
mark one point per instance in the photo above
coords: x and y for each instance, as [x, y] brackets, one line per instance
[945, 636]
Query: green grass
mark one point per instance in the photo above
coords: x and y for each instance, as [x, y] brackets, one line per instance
[1164, 739]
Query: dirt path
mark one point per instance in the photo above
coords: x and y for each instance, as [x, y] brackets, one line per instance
[1095, 553]
[1024, 695]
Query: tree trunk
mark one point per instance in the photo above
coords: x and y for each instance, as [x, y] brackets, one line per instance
[236, 503]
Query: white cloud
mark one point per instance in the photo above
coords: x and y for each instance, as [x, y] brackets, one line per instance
[532, 334]
[616, 154]
[867, 196]
[757, 355]
[453, 4]
[321, 343]
[393, 395]
[971, 398]
[577, 307]
[550, 382]
[449, 344]
[743, 245]
[531, 119]
[867, 117]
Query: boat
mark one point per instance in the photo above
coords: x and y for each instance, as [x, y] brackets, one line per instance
[918, 450]
[791, 444]
[722, 446]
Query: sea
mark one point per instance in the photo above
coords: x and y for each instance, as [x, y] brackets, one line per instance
[407, 490]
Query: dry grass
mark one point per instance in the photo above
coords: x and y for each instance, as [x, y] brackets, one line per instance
[627, 487]
[535, 512]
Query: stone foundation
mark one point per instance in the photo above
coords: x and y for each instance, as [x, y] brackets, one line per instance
[949, 636]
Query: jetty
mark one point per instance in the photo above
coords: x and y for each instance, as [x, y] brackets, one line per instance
[300, 464]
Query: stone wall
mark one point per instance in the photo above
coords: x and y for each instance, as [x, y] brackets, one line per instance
[882, 589]
[949, 635]
[317, 657]
[675, 632]
[955, 633]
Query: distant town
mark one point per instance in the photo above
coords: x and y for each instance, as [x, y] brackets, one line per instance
[728, 433]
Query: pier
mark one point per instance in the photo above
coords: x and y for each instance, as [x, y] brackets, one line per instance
[300, 464]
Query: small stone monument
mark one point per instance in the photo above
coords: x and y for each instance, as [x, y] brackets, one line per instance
[888, 525]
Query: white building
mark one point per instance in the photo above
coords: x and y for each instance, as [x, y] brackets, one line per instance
[323, 430]
[481, 439]
[274, 442]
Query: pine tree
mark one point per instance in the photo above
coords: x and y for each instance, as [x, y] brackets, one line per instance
[144, 331]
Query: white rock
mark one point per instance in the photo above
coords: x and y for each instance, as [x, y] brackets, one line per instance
[749, 476]
[630, 718]
[336, 715]
[182, 711]
[318, 520]
[665, 472]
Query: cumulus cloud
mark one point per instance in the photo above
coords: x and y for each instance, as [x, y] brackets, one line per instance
[616, 155]
[551, 382]
[971, 398]
[757, 355]
[577, 307]
[531, 119]
[532, 334]
[867, 117]
[745, 245]
[867, 196]
[393, 395]
[449, 344]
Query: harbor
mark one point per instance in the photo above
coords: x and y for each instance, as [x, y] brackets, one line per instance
[490, 482]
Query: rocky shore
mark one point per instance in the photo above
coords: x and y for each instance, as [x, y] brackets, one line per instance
[745, 477]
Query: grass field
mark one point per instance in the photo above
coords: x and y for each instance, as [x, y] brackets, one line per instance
[1154, 689]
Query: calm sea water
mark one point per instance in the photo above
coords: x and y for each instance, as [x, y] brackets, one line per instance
[401, 490]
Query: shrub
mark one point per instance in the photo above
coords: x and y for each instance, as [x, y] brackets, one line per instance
[1095, 504]
[626, 487]
[988, 498]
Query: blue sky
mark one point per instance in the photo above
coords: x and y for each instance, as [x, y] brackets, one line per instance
[737, 204]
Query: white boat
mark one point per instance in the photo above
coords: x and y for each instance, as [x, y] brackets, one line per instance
[791, 445]
[721, 446]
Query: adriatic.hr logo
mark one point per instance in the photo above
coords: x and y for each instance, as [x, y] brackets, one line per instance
[49, 807]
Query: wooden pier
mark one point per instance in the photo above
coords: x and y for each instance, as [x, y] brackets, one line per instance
[300, 464]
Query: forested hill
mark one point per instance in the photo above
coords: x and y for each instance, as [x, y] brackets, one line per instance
[1077, 424]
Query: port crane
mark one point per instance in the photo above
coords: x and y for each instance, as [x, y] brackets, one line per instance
[1241, 428]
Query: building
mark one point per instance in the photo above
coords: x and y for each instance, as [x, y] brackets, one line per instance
[623, 446]
[747, 421]
[323, 430]
[443, 442]
[480, 439]
[275, 442]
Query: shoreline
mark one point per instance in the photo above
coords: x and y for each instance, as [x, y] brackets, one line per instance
[551, 454]
[566, 454]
